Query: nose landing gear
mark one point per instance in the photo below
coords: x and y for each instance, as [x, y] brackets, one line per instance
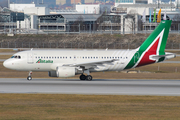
[29, 76]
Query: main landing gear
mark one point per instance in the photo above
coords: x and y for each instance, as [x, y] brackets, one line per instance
[29, 76]
[83, 77]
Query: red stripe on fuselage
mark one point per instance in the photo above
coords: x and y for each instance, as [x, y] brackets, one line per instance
[152, 51]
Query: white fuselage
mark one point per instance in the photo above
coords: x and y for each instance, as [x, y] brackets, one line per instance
[49, 60]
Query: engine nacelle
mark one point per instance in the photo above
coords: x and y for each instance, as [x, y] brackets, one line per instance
[65, 72]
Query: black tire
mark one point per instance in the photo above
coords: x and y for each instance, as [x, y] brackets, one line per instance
[29, 78]
[89, 77]
[82, 77]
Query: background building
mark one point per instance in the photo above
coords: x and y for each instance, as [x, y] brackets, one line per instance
[93, 8]
[60, 2]
[89, 1]
[21, 7]
[77, 1]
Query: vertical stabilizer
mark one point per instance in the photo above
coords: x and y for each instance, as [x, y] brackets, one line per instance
[154, 45]
[157, 37]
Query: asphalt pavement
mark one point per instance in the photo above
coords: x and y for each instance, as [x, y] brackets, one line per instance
[97, 86]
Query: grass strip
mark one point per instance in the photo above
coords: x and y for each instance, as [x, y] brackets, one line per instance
[89, 107]
[5, 56]
[7, 50]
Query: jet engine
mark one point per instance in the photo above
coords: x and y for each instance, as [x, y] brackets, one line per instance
[65, 72]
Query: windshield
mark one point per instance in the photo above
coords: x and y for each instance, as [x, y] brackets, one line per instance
[16, 56]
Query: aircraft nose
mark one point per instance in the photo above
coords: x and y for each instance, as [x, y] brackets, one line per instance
[6, 64]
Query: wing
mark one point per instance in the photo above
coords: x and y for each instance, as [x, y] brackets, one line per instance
[91, 64]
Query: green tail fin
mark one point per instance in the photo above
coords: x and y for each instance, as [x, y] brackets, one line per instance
[161, 32]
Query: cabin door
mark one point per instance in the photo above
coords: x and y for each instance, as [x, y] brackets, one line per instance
[30, 58]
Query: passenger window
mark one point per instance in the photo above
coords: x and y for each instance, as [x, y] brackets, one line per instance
[38, 57]
[96, 57]
[52, 57]
[41, 57]
[102, 57]
[49, 57]
[107, 57]
[70, 57]
[19, 57]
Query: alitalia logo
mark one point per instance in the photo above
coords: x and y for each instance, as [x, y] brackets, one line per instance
[44, 61]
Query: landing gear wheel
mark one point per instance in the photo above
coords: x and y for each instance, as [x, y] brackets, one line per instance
[29, 78]
[89, 77]
[82, 77]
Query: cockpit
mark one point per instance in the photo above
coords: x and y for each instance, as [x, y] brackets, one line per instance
[16, 57]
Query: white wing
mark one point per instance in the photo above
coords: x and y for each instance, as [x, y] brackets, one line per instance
[91, 64]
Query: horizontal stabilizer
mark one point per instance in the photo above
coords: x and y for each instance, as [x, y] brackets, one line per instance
[166, 56]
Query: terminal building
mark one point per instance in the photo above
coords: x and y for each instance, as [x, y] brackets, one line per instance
[66, 22]
[123, 17]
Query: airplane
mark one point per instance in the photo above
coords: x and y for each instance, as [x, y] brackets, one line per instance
[68, 63]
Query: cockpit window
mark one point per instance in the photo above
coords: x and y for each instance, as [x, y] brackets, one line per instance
[16, 56]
